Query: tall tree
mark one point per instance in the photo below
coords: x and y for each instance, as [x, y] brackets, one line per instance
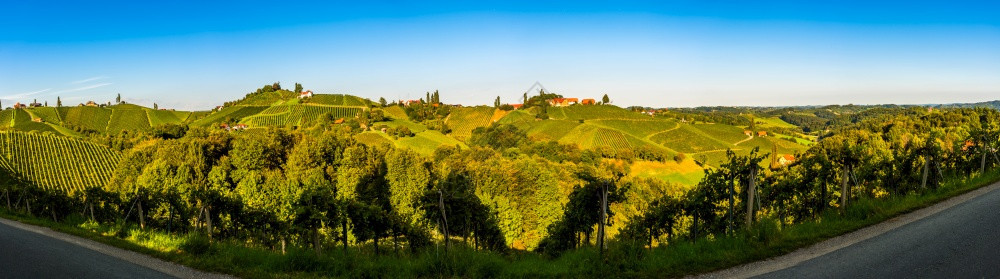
[118, 100]
[298, 87]
[496, 103]
[437, 97]
[58, 102]
[382, 102]
[155, 106]
[605, 99]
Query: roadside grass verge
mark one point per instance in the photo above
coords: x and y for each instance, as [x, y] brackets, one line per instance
[767, 238]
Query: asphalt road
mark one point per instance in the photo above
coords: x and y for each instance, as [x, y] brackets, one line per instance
[959, 242]
[25, 254]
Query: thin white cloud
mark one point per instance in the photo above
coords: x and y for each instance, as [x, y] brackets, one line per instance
[88, 79]
[88, 87]
[25, 94]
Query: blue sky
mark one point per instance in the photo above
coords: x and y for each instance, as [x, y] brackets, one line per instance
[191, 55]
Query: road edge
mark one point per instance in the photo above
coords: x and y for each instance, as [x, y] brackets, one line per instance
[169, 268]
[836, 243]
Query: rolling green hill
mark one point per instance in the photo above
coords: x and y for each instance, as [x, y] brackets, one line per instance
[54, 162]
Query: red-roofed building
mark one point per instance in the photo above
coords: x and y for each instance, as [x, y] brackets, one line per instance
[563, 102]
[19, 105]
[588, 102]
[305, 94]
[761, 133]
[240, 127]
[517, 106]
[786, 159]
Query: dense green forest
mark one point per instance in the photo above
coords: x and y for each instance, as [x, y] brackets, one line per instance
[326, 186]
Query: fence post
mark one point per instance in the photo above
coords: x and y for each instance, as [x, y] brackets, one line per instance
[844, 188]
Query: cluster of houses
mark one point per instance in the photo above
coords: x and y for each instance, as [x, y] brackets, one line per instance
[565, 102]
[237, 127]
[20, 105]
[562, 102]
[759, 133]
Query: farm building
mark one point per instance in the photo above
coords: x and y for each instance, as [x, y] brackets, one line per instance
[748, 133]
[563, 102]
[240, 127]
[517, 106]
[91, 104]
[35, 105]
[339, 121]
[761, 133]
[305, 94]
[411, 102]
[786, 159]
[588, 102]
[19, 105]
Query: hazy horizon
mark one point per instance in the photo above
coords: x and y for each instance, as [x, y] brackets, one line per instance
[194, 56]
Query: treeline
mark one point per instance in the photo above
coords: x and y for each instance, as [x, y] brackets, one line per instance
[881, 156]
[318, 187]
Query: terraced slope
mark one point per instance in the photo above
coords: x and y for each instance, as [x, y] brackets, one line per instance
[160, 117]
[23, 122]
[266, 98]
[577, 112]
[7, 118]
[58, 163]
[127, 119]
[91, 118]
[230, 112]
[689, 140]
[463, 120]
[427, 141]
[283, 115]
[395, 112]
[48, 114]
